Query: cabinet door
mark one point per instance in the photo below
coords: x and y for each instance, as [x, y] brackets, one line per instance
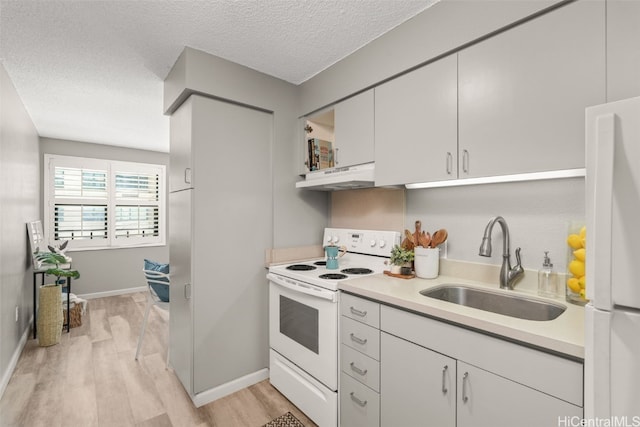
[522, 93]
[353, 127]
[181, 308]
[417, 385]
[180, 167]
[623, 49]
[416, 125]
[486, 399]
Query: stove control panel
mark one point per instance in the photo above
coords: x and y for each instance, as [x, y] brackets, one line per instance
[369, 242]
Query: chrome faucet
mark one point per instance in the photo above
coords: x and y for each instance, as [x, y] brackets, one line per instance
[508, 276]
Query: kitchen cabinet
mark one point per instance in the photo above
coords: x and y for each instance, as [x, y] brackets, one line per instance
[523, 92]
[348, 126]
[416, 125]
[488, 381]
[418, 386]
[353, 129]
[486, 399]
[218, 300]
[359, 362]
[623, 49]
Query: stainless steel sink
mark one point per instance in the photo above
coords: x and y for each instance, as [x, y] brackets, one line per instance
[496, 302]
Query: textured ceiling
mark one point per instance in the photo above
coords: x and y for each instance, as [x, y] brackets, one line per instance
[92, 71]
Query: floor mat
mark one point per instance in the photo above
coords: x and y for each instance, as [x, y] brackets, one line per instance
[286, 420]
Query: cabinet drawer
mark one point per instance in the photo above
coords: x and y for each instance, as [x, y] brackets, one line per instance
[359, 405]
[361, 337]
[360, 309]
[363, 368]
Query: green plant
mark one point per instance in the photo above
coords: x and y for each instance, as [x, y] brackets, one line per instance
[400, 255]
[56, 259]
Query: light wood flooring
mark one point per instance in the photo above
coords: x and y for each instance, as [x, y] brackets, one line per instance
[91, 379]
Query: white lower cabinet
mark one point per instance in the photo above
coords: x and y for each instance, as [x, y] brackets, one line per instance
[417, 371]
[486, 399]
[417, 385]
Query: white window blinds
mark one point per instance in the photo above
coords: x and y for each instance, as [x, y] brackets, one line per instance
[100, 203]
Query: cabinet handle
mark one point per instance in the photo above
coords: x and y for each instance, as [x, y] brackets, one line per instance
[358, 340]
[465, 398]
[335, 156]
[465, 161]
[187, 176]
[358, 401]
[187, 291]
[357, 312]
[449, 163]
[357, 370]
[444, 374]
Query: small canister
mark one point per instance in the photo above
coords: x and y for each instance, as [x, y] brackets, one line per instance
[427, 262]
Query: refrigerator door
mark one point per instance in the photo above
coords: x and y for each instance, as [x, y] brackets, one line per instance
[612, 369]
[613, 203]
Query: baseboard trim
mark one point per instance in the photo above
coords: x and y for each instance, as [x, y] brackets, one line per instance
[113, 293]
[226, 389]
[6, 377]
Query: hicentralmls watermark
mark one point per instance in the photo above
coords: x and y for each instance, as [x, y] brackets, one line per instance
[622, 421]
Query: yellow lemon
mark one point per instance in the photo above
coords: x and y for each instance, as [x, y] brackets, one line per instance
[573, 284]
[583, 233]
[574, 241]
[580, 254]
[582, 282]
[583, 294]
[576, 267]
[583, 242]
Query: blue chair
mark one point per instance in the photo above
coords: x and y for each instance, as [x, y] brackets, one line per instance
[158, 282]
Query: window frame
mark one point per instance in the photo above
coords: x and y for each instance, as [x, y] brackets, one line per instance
[112, 167]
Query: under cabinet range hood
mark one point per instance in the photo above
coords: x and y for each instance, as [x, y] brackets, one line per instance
[340, 178]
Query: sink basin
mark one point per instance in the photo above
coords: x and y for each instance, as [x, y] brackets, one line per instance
[496, 302]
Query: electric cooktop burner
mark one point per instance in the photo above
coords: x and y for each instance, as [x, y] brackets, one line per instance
[301, 267]
[333, 276]
[357, 271]
[320, 263]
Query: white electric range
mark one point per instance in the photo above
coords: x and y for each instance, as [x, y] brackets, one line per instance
[303, 318]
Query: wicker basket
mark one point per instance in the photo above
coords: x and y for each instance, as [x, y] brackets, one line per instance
[49, 315]
[75, 318]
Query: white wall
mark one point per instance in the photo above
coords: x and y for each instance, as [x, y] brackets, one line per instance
[108, 270]
[538, 214]
[19, 203]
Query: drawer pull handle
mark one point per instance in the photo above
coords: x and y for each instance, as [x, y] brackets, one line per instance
[358, 401]
[444, 374]
[357, 312]
[449, 163]
[465, 398]
[357, 370]
[465, 161]
[358, 340]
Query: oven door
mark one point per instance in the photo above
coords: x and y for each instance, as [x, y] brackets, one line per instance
[303, 327]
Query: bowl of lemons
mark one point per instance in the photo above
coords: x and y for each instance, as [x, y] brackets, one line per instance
[576, 285]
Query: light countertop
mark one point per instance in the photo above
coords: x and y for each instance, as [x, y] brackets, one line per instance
[564, 335]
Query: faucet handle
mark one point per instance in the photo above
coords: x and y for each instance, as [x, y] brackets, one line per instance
[518, 259]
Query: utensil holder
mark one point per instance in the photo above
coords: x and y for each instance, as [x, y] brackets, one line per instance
[427, 262]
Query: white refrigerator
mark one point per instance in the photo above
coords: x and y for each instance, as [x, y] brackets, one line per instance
[612, 330]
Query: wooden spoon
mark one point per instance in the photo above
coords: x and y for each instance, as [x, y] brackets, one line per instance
[439, 237]
[425, 239]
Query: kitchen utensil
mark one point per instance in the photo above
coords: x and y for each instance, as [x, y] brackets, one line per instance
[439, 237]
[408, 242]
[333, 253]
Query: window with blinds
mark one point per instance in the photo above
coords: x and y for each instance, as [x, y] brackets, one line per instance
[100, 203]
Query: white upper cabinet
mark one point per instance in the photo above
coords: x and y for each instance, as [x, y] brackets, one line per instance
[353, 127]
[623, 49]
[416, 125]
[522, 93]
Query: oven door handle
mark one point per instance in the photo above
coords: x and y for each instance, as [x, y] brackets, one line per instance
[303, 288]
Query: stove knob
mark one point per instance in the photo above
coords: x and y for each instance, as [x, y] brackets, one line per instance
[372, 243]
[336, 239]
[382, 243]
[329, 239]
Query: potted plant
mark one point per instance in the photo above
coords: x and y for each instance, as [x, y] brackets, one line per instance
[50, 298]
[401, 257]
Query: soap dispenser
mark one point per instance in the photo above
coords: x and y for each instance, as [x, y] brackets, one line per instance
[547, 279]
